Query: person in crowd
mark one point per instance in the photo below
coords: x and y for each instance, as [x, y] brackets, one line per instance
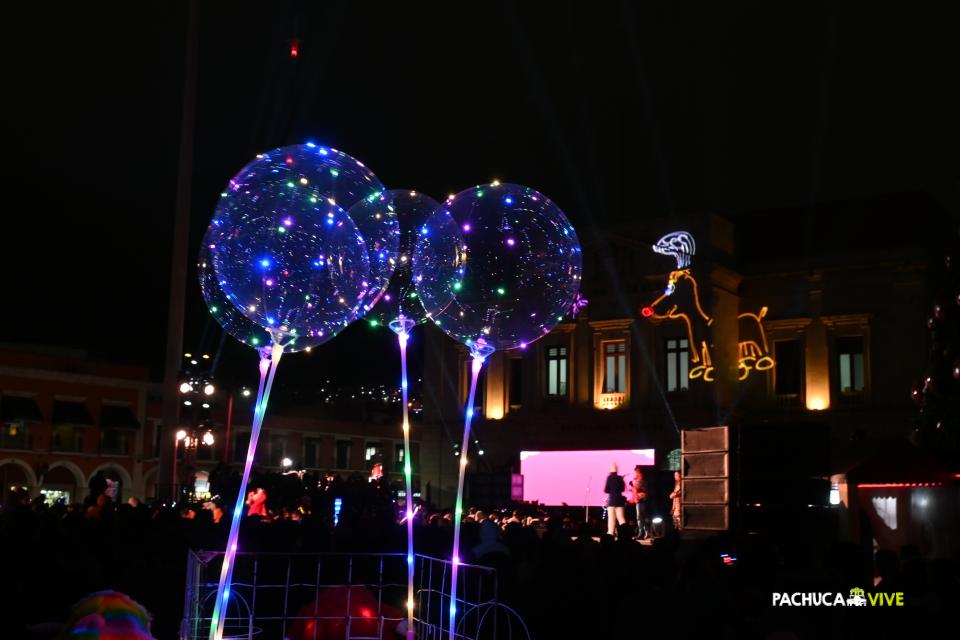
[677, 497]
[614, 489]
[257, 500]
[638, 498]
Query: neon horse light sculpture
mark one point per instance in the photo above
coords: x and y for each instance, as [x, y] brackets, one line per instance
[681, 301]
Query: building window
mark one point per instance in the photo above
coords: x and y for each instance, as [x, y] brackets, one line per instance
[311, 453]
[398, 456]
[66, 437]
[850, 363]
[241, 442]
[615, 367]
[14, 435]
[515, 398]
[373, 454]
[789, 369]
[678, 364]
[114, 442]
[556, 371]
[343, 454]
[278, 442]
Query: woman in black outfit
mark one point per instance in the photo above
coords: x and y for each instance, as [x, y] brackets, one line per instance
[615, 500]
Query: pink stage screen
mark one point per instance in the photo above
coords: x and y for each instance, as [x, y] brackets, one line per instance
[556, 477]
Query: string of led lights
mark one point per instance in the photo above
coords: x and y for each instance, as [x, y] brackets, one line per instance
[268, 367]
[476, 366]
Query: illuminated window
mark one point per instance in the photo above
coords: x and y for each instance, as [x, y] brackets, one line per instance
[615, 367]
[398, 456]
[372, 454]
[850, 363]
[343, 454]
[14, 435]
[556, 371]
[678, 364]
[789, 369]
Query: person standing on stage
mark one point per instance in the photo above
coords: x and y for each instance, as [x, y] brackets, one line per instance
[677, 497]
[638, 497]
[615, 500]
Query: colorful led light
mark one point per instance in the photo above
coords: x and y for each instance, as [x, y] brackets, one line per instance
[402, 326]
[477, 365]
[268, 369]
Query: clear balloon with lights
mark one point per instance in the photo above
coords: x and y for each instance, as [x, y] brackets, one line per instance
[379, 224]
[496, 267]
[284, 255]
[398, 308]
[222, 309]
[286, 258]
[410, 210]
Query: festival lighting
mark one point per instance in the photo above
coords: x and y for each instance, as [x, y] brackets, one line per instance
[753, 349]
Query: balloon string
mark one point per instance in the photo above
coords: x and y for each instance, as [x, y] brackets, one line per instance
[407, 474]
[458, 513]
[268, 368]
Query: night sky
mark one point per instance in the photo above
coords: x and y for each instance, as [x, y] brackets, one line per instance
[617, 111]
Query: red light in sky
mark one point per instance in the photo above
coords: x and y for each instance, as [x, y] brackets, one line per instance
[294, 49]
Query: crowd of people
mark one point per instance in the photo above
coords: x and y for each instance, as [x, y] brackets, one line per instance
[564, 573]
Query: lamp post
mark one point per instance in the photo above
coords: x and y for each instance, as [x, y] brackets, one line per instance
[245, 392]
[180, 434]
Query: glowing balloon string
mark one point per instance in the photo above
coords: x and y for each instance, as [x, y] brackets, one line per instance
[478, 359]
[402, 327]
[268, 368]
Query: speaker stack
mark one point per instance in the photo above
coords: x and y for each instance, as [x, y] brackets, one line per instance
[705, 455]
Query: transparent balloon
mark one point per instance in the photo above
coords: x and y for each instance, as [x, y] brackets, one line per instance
[377, 219]
[497, 267]
[411, 210]
[222, 309]
[283, 253]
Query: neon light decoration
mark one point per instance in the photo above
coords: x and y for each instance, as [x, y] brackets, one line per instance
[681, 301]
[678, 244]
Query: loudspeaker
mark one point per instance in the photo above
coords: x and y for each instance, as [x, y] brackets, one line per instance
[705, 473]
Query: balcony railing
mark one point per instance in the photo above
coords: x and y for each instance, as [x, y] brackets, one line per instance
[611, 400]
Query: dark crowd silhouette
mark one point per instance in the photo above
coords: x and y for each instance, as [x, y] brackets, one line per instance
[567, 577]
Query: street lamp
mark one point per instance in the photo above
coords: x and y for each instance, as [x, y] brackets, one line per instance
[208, 389]
[185, 387]
[287, 463]
[208, 438]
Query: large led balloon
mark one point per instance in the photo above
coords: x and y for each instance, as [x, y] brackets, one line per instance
[283, 253]
[410, 210]
[498, 266]
[379, 224]
[222, 309]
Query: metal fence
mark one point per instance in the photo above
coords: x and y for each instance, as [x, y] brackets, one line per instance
[349, 596]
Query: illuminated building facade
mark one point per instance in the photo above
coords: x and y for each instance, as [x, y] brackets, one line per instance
[820, 326]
